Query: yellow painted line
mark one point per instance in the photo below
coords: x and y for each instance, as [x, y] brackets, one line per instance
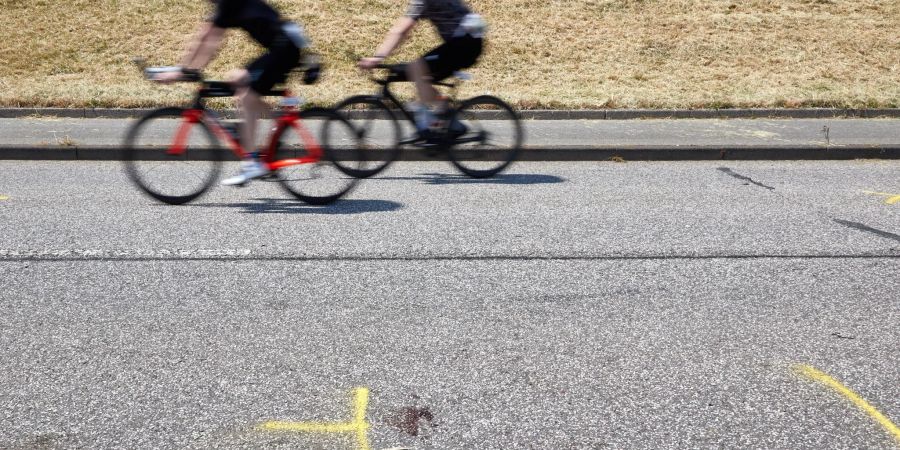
[361, 402]
[3, 197]
[891, 198]
[816, 375]
[358, 425]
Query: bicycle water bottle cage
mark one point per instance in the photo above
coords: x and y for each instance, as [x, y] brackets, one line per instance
[312, 73]
[311, 67]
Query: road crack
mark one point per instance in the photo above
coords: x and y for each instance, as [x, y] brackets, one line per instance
[734, 174]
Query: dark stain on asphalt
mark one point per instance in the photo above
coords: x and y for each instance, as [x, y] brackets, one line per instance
[409, 419]
[868, 229]
[734, 174]
[841, 336]
[44, 441]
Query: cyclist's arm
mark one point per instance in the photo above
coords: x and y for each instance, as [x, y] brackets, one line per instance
[203, 47]
[399, 32]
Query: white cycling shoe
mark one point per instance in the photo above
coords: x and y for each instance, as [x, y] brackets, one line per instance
[249, 170]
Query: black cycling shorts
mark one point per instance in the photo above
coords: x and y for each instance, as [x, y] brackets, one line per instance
[273, 67]
[451, 56]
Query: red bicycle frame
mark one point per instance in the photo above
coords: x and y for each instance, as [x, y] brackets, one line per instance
[289, 117]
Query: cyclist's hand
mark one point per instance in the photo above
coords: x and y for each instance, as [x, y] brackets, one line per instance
[370, 62]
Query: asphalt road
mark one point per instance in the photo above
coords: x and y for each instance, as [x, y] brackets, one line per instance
[563, 305]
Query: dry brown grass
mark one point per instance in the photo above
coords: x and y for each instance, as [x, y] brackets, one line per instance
[542, 53]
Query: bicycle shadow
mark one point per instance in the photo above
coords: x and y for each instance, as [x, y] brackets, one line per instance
[503, 178]
[290, 206]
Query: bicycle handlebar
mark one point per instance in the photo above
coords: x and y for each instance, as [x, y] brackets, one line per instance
[311, 68]
[381, 66]
[187, 75]
[397, 68]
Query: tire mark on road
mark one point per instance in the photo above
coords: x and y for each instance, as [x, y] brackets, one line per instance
[868, 229]
[846, 223]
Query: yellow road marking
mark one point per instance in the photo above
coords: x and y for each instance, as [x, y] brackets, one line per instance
[816, 375]
[3, 197]
[358, 425]
[891, 198]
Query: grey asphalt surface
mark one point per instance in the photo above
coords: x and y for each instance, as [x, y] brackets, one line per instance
[561, 305]
[68, 135]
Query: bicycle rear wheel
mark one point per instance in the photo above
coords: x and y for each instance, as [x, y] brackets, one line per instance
[321, 182]
[488, 136]
[378, 130]
[170, 159]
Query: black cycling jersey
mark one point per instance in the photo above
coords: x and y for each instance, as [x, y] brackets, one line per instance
[446, 15]
[253, 16]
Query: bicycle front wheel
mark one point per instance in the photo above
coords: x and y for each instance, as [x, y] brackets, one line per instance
[378, 130]
[169, 158]
[485, 136]
[323, 181]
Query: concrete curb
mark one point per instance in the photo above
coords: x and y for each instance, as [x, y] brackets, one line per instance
[708, 153]
[543, 153]
[599, 114]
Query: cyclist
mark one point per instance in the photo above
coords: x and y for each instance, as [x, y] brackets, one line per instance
[284, 43]
[463, 34]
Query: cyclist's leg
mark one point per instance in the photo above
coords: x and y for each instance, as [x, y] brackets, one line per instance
[261, 76]
[440, 63]
[250, 107]
[251, 83]
[420, 74]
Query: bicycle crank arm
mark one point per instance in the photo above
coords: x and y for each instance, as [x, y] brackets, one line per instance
[282, 163]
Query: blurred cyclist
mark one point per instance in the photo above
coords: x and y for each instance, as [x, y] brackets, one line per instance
[283, 41]
[462, 32]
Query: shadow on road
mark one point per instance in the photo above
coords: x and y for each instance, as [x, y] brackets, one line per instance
[511, 178]
[287, 206]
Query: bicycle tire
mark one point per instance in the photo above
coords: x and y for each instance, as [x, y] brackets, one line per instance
[141, 152]
[482, 160]
[303, 181]
[378, 129]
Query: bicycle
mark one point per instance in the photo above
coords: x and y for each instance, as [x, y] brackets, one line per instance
[189, 162]
[474, 149]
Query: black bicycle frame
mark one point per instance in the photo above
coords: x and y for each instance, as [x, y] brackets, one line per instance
[388, 95]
